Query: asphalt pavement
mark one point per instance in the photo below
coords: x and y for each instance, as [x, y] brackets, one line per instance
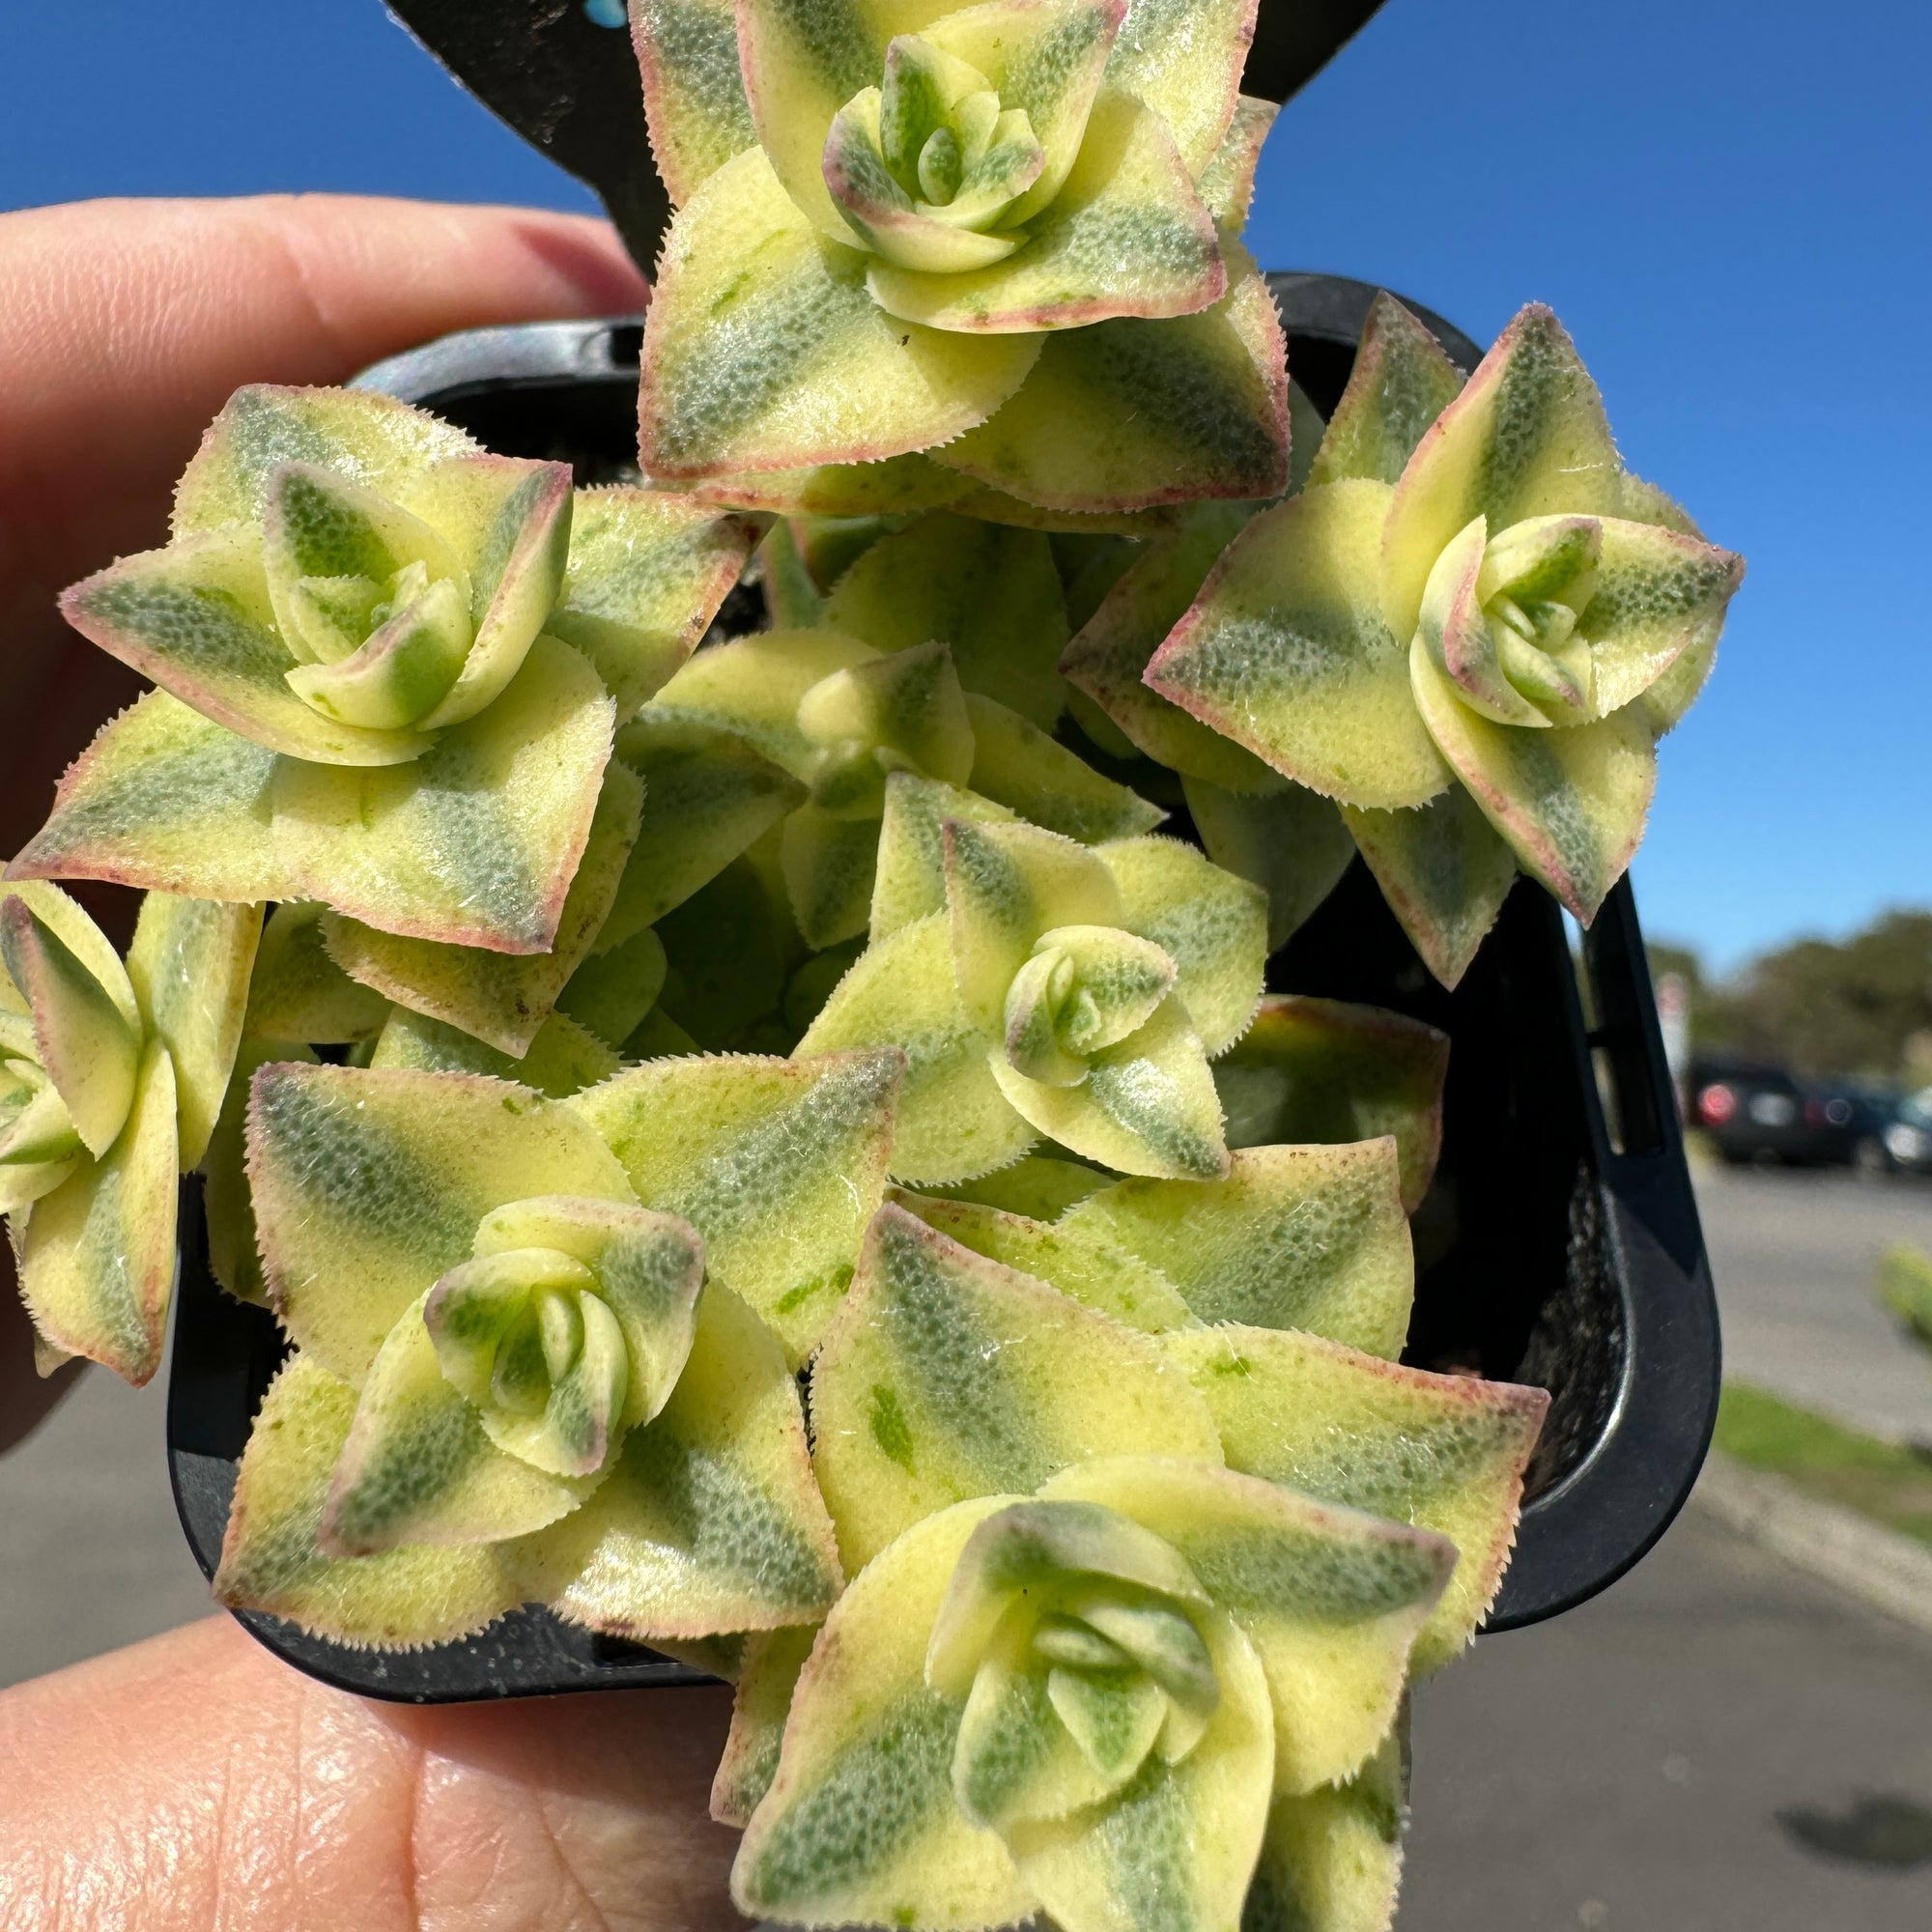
[1793, 1255]
[1716, 1745]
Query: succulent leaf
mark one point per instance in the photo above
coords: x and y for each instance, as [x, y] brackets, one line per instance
[1401, 381]
[95, 1254]
[1128, 415]
[1324, 1071]
[298, 992]
[1018, 765]
[1293, 844]
[563, 1059]
[1081, 1263]
[1330, 1600]
[1226, 184]
[777, 1164]
[1331, 1860]
[1310, 1237]
[369, 1186]
[694, 105]
[991, 592]
[501, 998]
[1039, 1187]
[474, 843]
[795, 366]
[1286, 652]
[954, 1121]
[271, 1558]
[861, 1825]
[709, 1520]
[948, 1376]
[1445, 1453]
[767, 1678]
[1444, 872]
[910, 881]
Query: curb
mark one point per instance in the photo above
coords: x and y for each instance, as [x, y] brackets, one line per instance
[1882, 1568]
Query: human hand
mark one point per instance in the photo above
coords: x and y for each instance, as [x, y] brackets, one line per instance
[195, 1781]
[124, 326]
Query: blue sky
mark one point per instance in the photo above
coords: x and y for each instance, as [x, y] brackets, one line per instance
[1729, 209]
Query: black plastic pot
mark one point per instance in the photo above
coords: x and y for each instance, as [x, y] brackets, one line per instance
[1560, 1246]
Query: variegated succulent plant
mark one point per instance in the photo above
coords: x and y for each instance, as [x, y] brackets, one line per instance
[1001, 234]
[1468, 630]
[111, 1078]
[390, 666]
[1042, 988]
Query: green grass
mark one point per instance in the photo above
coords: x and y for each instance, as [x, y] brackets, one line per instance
[1884, 1481]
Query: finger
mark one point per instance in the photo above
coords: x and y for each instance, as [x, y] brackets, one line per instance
[194, 1782]
[125, 324]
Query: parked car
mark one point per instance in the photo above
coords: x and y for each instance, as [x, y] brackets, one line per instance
[1857, 1119]
[1908, 1137]
[1753, 1111]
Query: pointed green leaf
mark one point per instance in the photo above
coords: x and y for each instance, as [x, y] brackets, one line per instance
[752, 687]
[81, 1035]
[1212, 924]
[359, 434]
[1107, 658]
[1445, 1453]
[418, 1466]
[1443, 872]
[232, 1254]
[1323, 1071]
[797, 365]
[190, 963]
[1226, 185]
[948, 1376]
[369, 1185]
[298, 992]
[1401, 382]
[1293, 844]
[1526, 437]
[1018, 765]
[1330, 1600]
[96, 1254]
[563, 1059]
[707, 797]
[1332, 1859]
[891, 486]
[473, 843]
[709, 1523]
[694, 96]
[993, 593]
[953, 1121]
[1125, 236]
[830, 867]
[859, 1824]
[1183, 58]
[1131, 413]
[910, 880]
[195, 617]
[645, 576]
[501, 998]
[766, 1681]
[1177, 1845]
[1294, 1238]
[1080, 1261]
[271, 1560]
[777, 1164]
[1286, 652]
[1570, 803]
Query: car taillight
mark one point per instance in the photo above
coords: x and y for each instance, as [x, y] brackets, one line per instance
[1716, 1105]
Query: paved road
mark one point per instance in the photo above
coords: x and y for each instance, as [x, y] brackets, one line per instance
[1792, 1254]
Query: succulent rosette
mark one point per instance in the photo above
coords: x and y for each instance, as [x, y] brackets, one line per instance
[111, 1079]
[840, 717]
[519, 1376]
[1469, 629]
[390, 668]
[1079, 1678]
[1042, 988]
[906, 230]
